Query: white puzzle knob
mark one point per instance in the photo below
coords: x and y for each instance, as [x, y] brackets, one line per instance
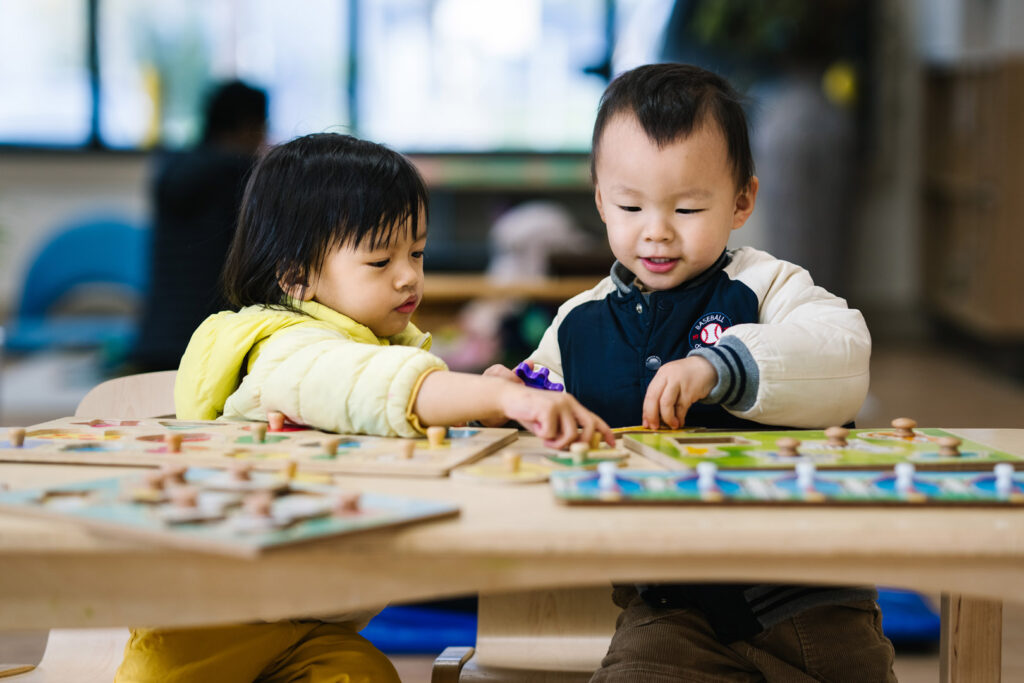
[706, 473]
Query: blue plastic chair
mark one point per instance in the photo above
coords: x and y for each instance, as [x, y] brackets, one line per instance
[108, 251]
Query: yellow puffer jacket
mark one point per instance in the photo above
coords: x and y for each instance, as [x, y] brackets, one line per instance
[319, 367]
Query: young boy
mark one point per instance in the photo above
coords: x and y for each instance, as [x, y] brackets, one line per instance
[685, 331]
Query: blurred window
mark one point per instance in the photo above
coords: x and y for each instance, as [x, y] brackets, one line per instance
[465, 75]
[45, 91]
[159, 59]
[419, 75]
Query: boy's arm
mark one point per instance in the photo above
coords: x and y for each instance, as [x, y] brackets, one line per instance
[804, 365]
[548, 354]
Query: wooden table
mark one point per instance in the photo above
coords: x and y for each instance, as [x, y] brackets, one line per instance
[525, 554]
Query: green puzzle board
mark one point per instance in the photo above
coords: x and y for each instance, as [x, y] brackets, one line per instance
[867, 448]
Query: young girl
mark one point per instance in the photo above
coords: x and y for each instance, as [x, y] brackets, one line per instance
[327, 269]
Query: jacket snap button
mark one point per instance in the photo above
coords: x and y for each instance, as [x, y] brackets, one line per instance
[639, 308]
[653, 363]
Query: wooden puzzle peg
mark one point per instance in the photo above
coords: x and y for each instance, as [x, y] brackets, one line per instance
[184, 496]
[595, 441]
[578, 452]
[949, 447]
[154, 480]
[175, 474]
[258, 504]
[436, 435]
[837, 436]
[408, 449]
[330, 446]
[904, 427]
[16, 436]
[511, 460]
[346, 502]
[259, 432]
[707, 474]
[1004, 478]
[805, 472]
[787, 447]
[275, 420]
[289, 469]
[173, 442]
[241, 472]
[606, 476]
[904, 477]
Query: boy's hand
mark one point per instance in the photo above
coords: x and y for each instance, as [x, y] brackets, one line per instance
[676, 386]
[554, 416]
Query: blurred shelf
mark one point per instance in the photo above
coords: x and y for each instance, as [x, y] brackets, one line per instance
[545, 172]
[448, 288]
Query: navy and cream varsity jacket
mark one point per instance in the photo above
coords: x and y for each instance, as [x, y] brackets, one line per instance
[787, 353]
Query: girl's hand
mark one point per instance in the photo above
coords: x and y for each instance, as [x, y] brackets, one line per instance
[501, 372]
[675, 387]
[554, 416]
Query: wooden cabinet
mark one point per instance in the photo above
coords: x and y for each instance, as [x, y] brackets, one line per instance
[973, 198]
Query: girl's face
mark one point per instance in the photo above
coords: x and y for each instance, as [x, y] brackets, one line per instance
[379, 288]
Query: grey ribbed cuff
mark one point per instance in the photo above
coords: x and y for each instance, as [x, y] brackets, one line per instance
[737, 373]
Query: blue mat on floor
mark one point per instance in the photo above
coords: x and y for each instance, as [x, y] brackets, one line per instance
[402, 630]
[906, 618]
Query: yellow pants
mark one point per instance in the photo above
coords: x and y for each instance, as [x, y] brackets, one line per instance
[278, 652]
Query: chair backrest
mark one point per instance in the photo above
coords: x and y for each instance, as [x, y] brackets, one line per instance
[149, 394]
[100, 251]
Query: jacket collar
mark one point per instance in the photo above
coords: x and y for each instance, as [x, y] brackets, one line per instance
[625, 280]
[410, 336]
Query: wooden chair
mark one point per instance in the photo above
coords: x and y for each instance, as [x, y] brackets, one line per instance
[150, 394]
[93, 655]
[534, 637]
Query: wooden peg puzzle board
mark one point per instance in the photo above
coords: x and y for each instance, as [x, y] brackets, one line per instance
[219, 443]
[301, 512]
[763, 487]
[866, 448]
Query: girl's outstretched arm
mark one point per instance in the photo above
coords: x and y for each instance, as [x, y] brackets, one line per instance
[446, 398]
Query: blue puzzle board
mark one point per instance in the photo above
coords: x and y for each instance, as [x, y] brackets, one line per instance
[301, 511]
[765, 487]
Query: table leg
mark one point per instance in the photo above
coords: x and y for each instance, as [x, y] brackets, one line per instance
[971, 641]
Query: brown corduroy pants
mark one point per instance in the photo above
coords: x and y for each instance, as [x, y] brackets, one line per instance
[835, 643]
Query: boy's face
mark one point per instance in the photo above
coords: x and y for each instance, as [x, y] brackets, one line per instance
[379, 288]
[669, 211]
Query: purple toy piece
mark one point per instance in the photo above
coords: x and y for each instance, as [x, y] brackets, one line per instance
[536, 378]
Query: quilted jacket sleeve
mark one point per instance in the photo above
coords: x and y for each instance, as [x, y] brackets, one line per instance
[322, 378]
[805, 364]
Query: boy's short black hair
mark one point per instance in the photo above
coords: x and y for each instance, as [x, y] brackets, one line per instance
[670, 101]
[310, 196]
[232, 106]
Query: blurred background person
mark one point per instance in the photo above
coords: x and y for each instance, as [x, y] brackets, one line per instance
[195, 198]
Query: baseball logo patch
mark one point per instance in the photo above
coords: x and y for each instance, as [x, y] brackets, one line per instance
[708, 330]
